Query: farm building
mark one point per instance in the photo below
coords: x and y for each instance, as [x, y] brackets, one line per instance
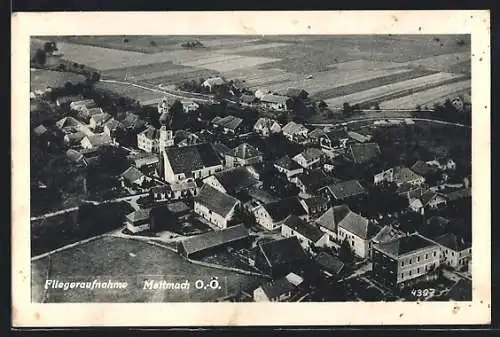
[138, 221]
[280, 290]
[229, 124]
[215, 206]
[295, 132]
[288, 166]
[359, 137]
[207, 243]
[259, 93]
[61, 101]
[99, 119]
[189, 106]
[307, 234]
[83, 105]
[132, 176]
[232, 181]
[196, 161]
[344, 191]
[248, 100]
[211, 83]
[266, 127]
[429, 200]
[364, 153]
[271, 215]
[112, 126]
[243, 155]
[310, 182]
[399, 175]
[330, 265]
[144, 160]
[276, 102]
[280, 257]
[94, 141]
[334, 140]
[309, 158]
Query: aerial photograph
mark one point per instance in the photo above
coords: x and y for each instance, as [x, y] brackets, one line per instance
[245, 168]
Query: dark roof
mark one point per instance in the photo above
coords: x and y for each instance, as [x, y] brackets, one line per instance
[151, 133]
[190, 158]
[99, 139]
[262, 195]
[287, 163]
[451, 241]
[221, 149]
[311, 153]
[281, 209]
[329, 263]
[309, 231]
[403, 174]
[139, 215]
[283, 251]
[178, 207]
[214, 239]
[235, 180]
[427, 196]
[113, 124]
[364, 153]
[215, 200]
[228, 122]
[387, 233]
[461, 291]
[405, 245]
[278, 99]
[132, 174]
[337, 134]
[422, 168]
[245, 151]
[296, 93]
[248, 98]
[355, 223]
[317, 133]
[458, 194]
[315, 179]
[346, 189]
[315, 201]
[278, 287]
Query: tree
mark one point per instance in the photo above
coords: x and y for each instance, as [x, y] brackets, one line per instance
[176, 112]
[125, 40]
[322, 105]
[153, 43]
[345, 252]
[346, 109]
[49, 47]
[40, 57]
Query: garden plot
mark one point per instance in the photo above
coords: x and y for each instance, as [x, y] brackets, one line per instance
[427, 97]
[178, 77]
[236, 63]
[139, 94]
[375, 93]
[364, 65]
[42, 79]
[212, 59]
[440, 62]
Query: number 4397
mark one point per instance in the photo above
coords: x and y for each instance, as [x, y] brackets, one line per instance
[423, 292]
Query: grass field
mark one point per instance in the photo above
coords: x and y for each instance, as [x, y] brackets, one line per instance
[133, 262]
[41, 79]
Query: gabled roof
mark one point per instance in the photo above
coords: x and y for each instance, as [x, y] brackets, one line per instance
[214, 239]
[276, 99]
[346, 189]
[94, 111]
[248, 98]
[67, 122]
[315, 201]
[281, 209]
[216, 201]
[151, 133]
[74, 155]
[278, 287]
[113, 124]
[141, 214]
[364, 153]
[228, 122]
[386, 234]
[186, 159]
[309, 231]
[405, 245]
[403, 174]
[451, 241]
[132, 174]
[329, 263]
[261, 195]
[359, 137]
[236, 179]
[214, 81]
[356, 224]
[245, 151]
[287, 163]
[293, 128]
[146, 159]
[315, 179]
[296, 92]
[101, 118]
[337, 134]
[283, 251]
[427, 197]
[40, 129]
[317, 133]
[264, 122]
[422, 168]
[310, 154]
[132, 121]
[99, 139]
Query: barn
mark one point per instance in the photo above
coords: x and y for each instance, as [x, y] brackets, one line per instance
[207, 243]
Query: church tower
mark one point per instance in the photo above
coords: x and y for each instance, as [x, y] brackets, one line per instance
[166, 138]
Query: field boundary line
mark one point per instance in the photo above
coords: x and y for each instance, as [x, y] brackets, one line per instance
[71, 245]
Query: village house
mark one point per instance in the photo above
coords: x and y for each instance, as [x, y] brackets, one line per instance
[195, 161]
[233, 181]
[211, 242]
[180, 190]
[316, 134]
[271, 215]
[288, 166]
[66, 100]
[399, 175]
[359, 137]
[279, 290]
[307, 234]
[266, 127]
[344, 191]
[455, 252]
[398, 261]
[243, 155]
[259, 93]
[295, 132]
[334, 140]
[388, 233]
[132, 122]
[410, 191]
[74, 138]
[280, 257]
[189, 106]
[429, 200]
[112, 127]
[85, 114]
[362, 154]
[211, 83]
[330, 266]
[144, 160]
[215, 206]
[229, 124]
[248, 100]
[309, 158]
[314, 205]
[276, 102]
[186, 138]
[311, 182]
[356, 230]
[82, 105]
[133, 177]
[138, 221]
[98, 120]
[97, 140]
[68, 124]
[422, 168]
[443, 164]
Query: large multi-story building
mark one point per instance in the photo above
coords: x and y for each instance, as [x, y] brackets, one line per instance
[404, 259]
[154, 140]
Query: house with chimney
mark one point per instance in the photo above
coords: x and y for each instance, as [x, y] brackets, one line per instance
[273, 214]
[243, 155]
[288, 166]
[215, 206]
[309, 158]
[308, 234]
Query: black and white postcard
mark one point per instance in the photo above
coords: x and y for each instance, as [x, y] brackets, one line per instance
[251, 168]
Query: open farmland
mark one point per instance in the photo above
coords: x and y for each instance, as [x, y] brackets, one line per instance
[427, 97]
[139, 94]
[379, 93]
[41, 79]
[128, 261]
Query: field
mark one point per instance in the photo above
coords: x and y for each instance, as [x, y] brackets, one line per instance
[41, 79]
[132, 262]
[392, 69]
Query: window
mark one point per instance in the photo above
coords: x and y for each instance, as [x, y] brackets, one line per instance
[418, 270]
[452, 254]
[410, 261]
[402, 263]
[426, 256]
[418, 258]
[409, 273]
[434, 253]
[402, 275]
